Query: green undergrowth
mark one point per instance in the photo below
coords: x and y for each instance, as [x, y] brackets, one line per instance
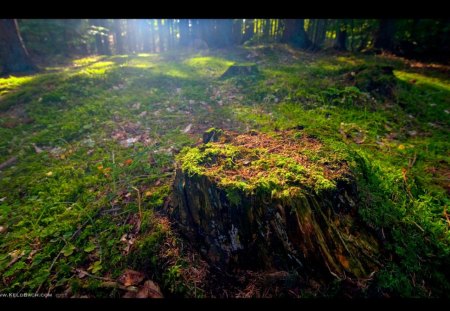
[92, 149]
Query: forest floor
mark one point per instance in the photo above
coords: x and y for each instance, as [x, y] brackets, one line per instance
[87, 157]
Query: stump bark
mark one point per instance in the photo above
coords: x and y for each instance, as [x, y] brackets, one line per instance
[240, 70]
[256, 202]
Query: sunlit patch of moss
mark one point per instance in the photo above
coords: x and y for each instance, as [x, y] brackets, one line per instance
[11, 83]
[145, 54]
[102, 64]
[87, 60]
[423, 79]
[349, 60]
[140, 62]
[208, 65]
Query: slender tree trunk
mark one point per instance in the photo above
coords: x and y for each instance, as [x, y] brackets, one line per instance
[13, 53]
[249, 30]
[237, 31]
[185, 36]
[341, 37]
[153, 39]
[118, 36]
[98, 38]
[160, 36]
[105, 38]
[223, 33]
[384, 38]
[294, 33]
[131, 36]
[171, 32]
[322, 33]
[146, 36]
[266, 29]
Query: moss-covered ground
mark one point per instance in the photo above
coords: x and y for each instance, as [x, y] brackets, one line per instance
[90, 150]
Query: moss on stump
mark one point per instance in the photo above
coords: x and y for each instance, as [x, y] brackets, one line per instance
[282, 201]
[240, 70]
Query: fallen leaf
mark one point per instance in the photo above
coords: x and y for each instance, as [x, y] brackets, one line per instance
[128, 161]
[2, 199]
[143, 114]
[187, 128]
[37, 149]
[149, 290]
[131, 277]
[81, 273]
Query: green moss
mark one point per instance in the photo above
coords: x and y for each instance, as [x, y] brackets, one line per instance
[240, 169]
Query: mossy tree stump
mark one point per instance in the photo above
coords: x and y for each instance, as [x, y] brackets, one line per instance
[377, 80]
[240, 70]
[278, 201]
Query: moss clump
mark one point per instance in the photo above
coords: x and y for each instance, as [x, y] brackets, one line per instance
[265, 163]
[378, 80]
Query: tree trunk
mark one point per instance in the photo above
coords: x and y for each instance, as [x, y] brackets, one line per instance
[312, 232]
[171, 33]
[105, 37]
[131, 36]
[341, 37]
[249, 30]
[185, 36]
[98, 38]
[384, 38]
[13, 54]
[160, 36]
[237, 31]
[266, 29]
[223, 35]
[294, 33]
[118, 36]
[146, 36]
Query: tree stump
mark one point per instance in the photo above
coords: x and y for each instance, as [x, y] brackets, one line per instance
[240, 70]
[377, 80]
[283, 201]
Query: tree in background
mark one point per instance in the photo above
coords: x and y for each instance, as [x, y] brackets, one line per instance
[56, 39]
[294, 33]
[13, 52]
[185, 35]
[341, 36]
[248, 30]
[384, 37]
[118, 39]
